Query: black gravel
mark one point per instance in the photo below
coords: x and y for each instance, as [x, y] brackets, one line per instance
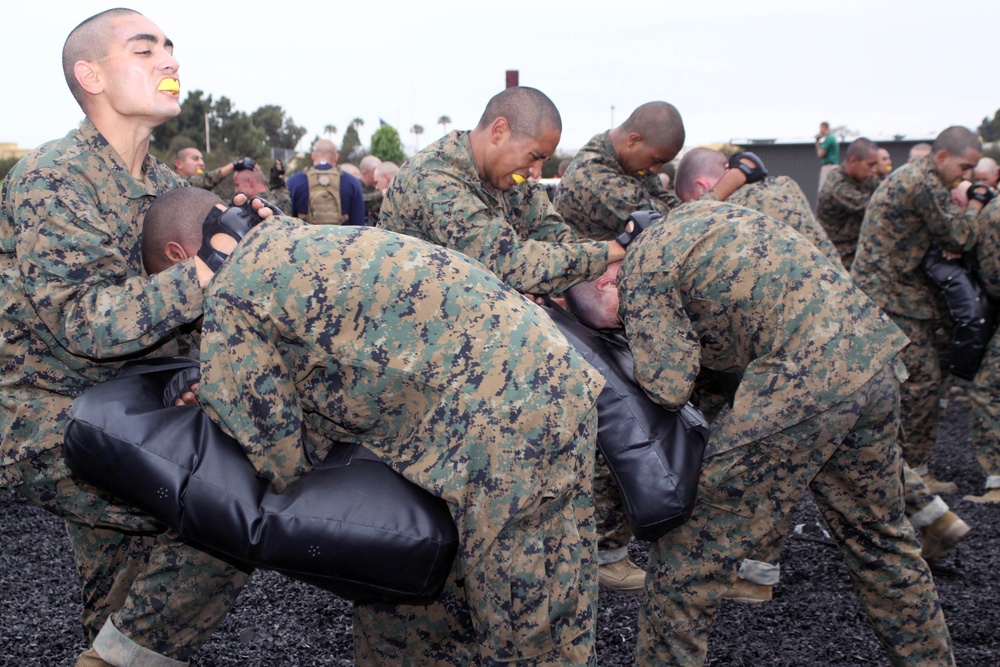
[813, 620]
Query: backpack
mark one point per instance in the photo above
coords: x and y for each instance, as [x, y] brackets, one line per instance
[324, 197]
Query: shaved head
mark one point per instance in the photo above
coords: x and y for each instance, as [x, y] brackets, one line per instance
[696, 164]
[658, 123]
[89, 42]
[175, 216]
[861, 148]
[957, 140]
[529, 112]
[324, 150]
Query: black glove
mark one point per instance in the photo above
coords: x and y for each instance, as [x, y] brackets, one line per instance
[234, 222]
[245, 163]
[981, 193]
[277, 175]
[754, 173]
[640, 220]
[181, 384]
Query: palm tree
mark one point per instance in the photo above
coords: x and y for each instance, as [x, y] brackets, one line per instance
[417, 130]
[444, 122]
[330, 130]
[357, 122]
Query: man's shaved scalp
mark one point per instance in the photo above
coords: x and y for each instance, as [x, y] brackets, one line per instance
[696, 163]
[529, 112]
[89, 42]
[176, 215]
[861, 148]
[957, 140]
[658, 123]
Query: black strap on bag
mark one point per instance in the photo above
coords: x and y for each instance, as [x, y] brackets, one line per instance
[355, 527]
[654, 454]
[975, 315]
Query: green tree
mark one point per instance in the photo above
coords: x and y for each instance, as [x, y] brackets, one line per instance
[351, 147]
[330, 130]
[279, 131]
[386, 145]
[444, 122]
[190, 122]
[990, 129]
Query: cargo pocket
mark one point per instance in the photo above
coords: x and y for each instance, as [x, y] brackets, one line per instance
[727, 477]
[525, 594]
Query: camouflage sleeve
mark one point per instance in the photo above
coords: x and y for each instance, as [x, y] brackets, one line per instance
[463, 222]
[988, 248]
[544, 222]
[247, 390]
[206, 180]
[76, 275]
[666, 349]
[623, 195]
[845, 200]
[954, 229]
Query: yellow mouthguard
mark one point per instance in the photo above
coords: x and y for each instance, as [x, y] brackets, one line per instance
[170, 86]
[518, 178]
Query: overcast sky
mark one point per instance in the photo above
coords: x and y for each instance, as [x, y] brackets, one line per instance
[762, 69]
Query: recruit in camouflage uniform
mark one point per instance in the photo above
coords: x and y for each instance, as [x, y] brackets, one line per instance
[439, 197]
[841, 208]
[721, 286]
[596, 196]
[77, 305]
[373, 203]
[984, 392]
[912, 209]
[454, 380]
[781, 198]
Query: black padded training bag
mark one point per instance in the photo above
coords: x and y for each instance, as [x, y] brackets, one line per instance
[352, 526]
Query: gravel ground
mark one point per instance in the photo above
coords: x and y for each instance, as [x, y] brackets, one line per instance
[813, 620]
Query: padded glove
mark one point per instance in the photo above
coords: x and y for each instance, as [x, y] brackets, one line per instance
[234, 222]
[245, 163]
[981, 193]
[640, 220]
[754, 173]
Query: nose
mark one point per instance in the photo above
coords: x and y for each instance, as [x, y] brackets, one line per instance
[535, 170]
[170, 63]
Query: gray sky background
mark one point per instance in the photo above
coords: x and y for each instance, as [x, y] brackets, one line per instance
[761, 69]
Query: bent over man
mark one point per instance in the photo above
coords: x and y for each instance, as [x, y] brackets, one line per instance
[720, 286]
[315, 337]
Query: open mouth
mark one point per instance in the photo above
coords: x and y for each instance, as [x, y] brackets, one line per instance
[172, 86]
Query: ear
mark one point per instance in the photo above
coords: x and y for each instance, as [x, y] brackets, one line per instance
[175, 252]
[88, 75]
[941, 156]
[703, 184]
[498, 129]
[633, 139]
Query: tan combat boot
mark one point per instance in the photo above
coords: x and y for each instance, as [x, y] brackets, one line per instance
[91, 658]
[750, 592]
[941, 536]
[991, 496]
[622, 576]
[937, 486]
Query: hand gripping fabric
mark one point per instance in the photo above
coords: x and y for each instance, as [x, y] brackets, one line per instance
[353, 526]
[974, 314]
[654, 454]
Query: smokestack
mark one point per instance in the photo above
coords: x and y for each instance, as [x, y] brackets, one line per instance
[512, 78]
